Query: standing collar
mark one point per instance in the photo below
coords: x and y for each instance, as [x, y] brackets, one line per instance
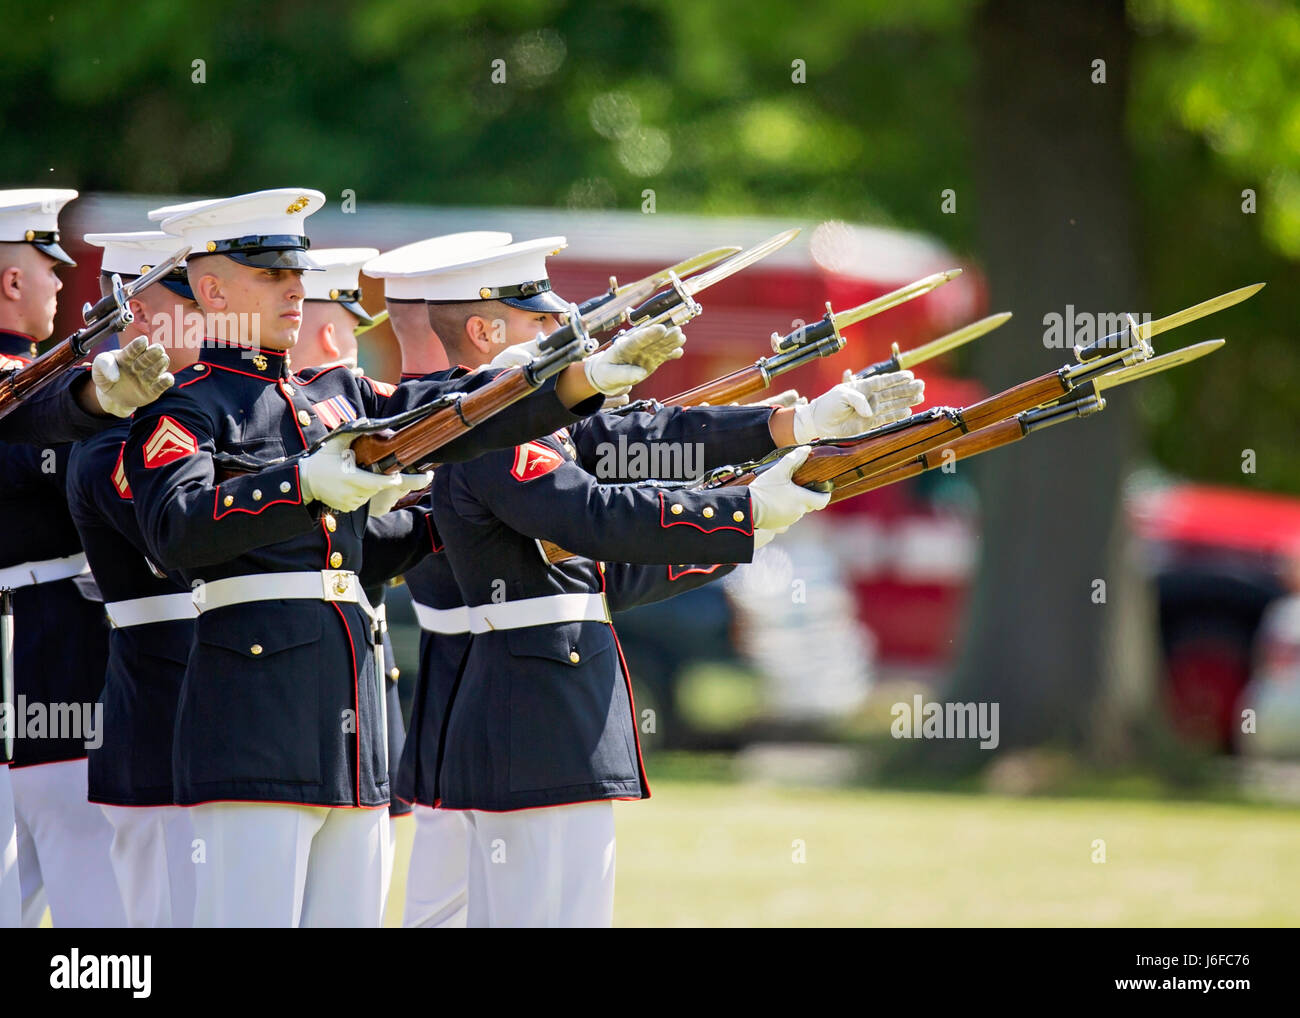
[260, 363]
[16, 344]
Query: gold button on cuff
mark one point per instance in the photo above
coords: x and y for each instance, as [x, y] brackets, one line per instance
[285, 486]
[255, 649]
[676, 509]
[336, 560]
[574, 656]
[331, 524]
[229, 500]
[394, 673]
[738, 516]
[708, 512]
[257, 494]
[304, 418]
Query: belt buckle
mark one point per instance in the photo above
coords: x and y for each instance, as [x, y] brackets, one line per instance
[339, 585]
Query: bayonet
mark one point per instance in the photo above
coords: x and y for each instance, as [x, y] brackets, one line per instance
[1144, 332]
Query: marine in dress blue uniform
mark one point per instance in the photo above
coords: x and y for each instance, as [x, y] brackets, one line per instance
[541, 729]
[279, 702]
[152, 617]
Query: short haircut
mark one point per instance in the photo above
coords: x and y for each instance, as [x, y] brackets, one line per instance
[448, 320]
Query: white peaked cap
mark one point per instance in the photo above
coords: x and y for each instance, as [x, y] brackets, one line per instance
[514, 274]
[31, 215]
[405, 269]
[133, 254]
[338, 282]
[266, 229]
[167, 211]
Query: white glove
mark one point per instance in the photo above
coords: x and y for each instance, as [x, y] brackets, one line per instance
[127, 379]
[331, 475]
[633, 357]
[777, 500]
[857, 405]
[389, 497]
[789, 398]
[518, 355]
[616, 400]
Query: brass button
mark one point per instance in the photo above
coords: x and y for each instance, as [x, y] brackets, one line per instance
[708, 512]
[288, 389]
[394, 673]
[229, 500]
[257, 494]
[211, 246]
[738, 516]
[200, 367]
[336, 560]
[331, 524]
[574, 656]
[676, 509]
[285, 486]
[30, 235]
[334, 294]
[304, 418]
[255, 649]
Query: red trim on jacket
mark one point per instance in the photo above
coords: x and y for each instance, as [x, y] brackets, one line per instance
[663, 505]
[356, 703]
[226, 511]
[693, 569]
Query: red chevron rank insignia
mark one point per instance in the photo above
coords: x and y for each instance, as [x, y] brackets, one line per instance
[534, 459]
[169, 441]
[119, 475]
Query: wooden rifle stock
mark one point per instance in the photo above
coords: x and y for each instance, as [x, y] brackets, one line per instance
[986, 439]
[390, 451]
[19, 385]
[892, 449]
[721, 391]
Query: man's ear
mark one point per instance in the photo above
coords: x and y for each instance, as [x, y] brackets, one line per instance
[11, 283]
[209, 293]
[479, 331]
[328, 344]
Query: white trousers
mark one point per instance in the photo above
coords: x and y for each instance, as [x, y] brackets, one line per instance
[542, 867]
[151, 858]
[11, 895]
[438, 878]
[270, 864]
[63, 848]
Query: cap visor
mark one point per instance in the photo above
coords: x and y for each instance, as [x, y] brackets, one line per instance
[547, 301]
[283, 258]
[179, 287]
[55, 252]
[361, 313]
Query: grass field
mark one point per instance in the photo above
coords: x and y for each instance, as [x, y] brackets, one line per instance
[703, 853]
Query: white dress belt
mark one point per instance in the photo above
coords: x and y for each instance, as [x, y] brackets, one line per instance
[444, 621]
[46, 571]
[322, 585]
[140, 611]
[538, 611]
